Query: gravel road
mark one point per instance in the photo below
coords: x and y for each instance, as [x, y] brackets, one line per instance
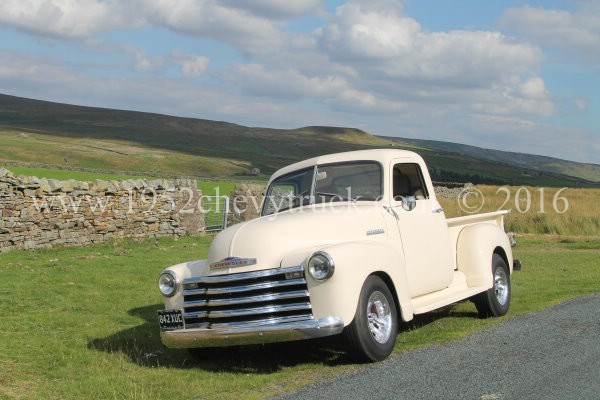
[550, 354]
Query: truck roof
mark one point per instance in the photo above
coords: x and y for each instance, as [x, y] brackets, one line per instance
[383, 156]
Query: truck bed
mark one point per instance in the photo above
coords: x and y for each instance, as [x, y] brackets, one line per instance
[496, 217]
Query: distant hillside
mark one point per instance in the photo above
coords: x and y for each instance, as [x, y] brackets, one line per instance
[113, 140]
[589, 172]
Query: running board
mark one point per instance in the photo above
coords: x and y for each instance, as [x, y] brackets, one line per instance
[457, 291]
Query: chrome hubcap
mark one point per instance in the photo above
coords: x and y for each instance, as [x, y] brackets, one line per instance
[379, 317]
[501, 286]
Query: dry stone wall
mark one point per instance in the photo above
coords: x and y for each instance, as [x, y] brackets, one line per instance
[245, 202]
[37, 213]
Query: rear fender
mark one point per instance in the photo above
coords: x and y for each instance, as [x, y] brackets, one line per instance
[474, 249]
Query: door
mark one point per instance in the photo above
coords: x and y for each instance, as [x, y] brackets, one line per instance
[423, 231]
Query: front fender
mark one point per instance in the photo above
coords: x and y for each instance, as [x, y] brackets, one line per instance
[354, 262]
[183, 271]
[474, 249]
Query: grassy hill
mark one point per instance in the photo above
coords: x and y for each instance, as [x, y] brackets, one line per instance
[33, 131]
[590, 172]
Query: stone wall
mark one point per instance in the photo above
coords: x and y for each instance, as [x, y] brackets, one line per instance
[245, 202]
[36, 213]
[452, 190]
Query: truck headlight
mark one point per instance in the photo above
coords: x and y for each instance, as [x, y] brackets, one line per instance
[168, 283]
[321, 266]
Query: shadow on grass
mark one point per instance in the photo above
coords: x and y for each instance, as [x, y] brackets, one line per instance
[422, 320]
[143, 347]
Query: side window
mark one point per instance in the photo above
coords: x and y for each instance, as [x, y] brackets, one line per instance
[408, 181]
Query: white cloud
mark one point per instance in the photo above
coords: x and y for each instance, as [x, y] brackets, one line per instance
[143, 62]
[207, 18]
[277, 9]
[191, 65]
[332, 90]
[85, 18]
[287, 83]
[574, 33]
[362, 31]
[534, 88]
[371, 58]
[63, 18]
[388, 42]
[580, 104]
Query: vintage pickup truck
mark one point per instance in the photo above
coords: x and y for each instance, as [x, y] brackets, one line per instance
[346, 244]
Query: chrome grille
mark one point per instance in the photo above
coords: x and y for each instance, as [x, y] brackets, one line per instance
[260, 297]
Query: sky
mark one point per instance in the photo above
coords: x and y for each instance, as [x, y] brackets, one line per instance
[516, 75]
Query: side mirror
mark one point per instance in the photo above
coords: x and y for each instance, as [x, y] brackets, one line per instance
[409, 202]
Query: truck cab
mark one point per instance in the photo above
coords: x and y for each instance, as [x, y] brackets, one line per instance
[347, 243]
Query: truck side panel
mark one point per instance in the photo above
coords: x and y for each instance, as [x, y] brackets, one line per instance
[474, 249]
[456, 226]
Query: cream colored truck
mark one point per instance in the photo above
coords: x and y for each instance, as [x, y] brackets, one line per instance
[346, 244]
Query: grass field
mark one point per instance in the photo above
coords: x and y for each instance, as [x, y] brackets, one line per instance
[535, 210]
[80, 323]
[112, 154]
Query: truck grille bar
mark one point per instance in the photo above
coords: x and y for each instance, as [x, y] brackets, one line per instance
[248, 298]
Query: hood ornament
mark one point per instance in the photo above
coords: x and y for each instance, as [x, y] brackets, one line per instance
[232, 262]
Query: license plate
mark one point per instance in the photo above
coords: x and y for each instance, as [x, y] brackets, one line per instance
[169, 320]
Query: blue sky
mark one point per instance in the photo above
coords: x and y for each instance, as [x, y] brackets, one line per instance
[512, 75]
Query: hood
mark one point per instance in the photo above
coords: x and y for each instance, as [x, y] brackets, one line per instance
[269, 239]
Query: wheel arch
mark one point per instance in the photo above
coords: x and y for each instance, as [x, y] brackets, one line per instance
[476, 245]
[390, 284]
[502, 253]
[354, 263]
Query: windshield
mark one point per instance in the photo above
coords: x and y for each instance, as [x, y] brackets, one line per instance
[289, 191]
[350, 181]
[326, 183]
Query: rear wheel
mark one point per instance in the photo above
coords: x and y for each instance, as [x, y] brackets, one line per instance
[495, 301]
[372, 333]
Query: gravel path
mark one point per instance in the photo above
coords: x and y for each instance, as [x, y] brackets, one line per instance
[550, 354]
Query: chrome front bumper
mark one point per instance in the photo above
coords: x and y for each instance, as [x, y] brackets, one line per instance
[252, 333]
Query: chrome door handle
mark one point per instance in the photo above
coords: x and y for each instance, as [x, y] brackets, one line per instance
[439, 210]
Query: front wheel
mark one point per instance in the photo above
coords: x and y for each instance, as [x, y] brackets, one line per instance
[372, 333]
[495, 301]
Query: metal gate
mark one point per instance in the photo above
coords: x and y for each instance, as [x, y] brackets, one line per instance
[215, 210]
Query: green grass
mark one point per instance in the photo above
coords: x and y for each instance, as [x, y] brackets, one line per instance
[216, 188]
[80, 323]
[112, 154]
